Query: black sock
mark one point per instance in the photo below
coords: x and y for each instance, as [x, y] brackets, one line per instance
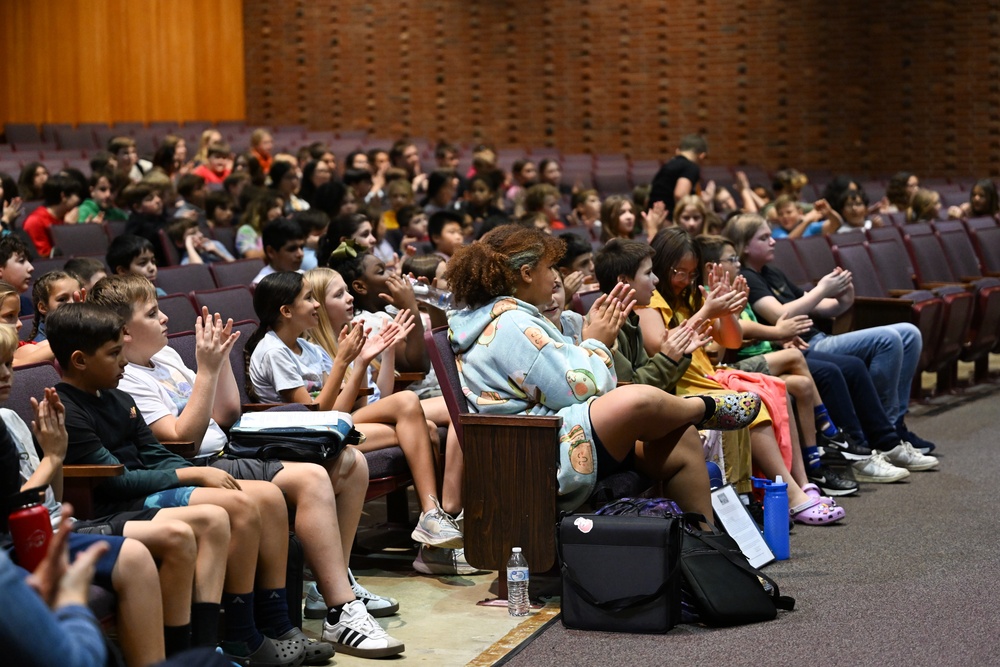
[709, 407]
[333, 616]
[271, 611]
[176, 638]
[205, 623]
[239, 620]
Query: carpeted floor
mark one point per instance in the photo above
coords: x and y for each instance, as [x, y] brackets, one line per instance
[911, 577]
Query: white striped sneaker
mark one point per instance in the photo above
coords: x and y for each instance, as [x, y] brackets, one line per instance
[357, 633]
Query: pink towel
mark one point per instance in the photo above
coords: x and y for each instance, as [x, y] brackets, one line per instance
[772, 392]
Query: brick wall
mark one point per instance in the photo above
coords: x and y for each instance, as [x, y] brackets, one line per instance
[863, 87]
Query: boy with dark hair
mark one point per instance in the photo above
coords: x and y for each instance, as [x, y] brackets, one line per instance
[192, 190]
[314, 223]
[219, 209]
[680, 176]
[127, 157]
[105, 427]
[445, 231]
[193, 246]
[16, 269]
[61, 195]
[218, 164]
[284, 243]
[129, 253]
[146, 216]
[87, 270]
[577, 264]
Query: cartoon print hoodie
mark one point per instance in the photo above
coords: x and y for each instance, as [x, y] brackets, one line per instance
[511, 360]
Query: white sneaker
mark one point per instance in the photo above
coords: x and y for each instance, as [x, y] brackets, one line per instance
[377, 605]
[878, 470]
[904, 455]
[357, 633]
[430, 560]
[437, 528]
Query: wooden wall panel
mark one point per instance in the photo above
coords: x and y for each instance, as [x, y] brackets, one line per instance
[73, 61]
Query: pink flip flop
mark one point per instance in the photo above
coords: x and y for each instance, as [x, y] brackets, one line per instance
[815, 512]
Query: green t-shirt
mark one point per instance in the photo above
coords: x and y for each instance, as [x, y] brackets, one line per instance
[754, 349]
[89, 210]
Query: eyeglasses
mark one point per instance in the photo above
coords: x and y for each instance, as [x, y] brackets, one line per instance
[691, 277]
[730, 260]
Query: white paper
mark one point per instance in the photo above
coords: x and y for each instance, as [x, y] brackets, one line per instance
[740, 526]
[280, 419]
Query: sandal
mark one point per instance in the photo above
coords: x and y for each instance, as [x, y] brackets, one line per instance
[316, 652]
[814, 491]
[732, 412]
[815, 512]
[271, 653]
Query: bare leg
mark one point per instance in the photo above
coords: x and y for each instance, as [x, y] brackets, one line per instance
[804, 391]
[454, 461]
[140, 604]
[641, 412]
[272, 558]
[767, 457]
[307, 487]
[798, 467]
[173, 544]
[349, 476]
[211, 531]
[682, 467]
[403, 412]
[245, 526]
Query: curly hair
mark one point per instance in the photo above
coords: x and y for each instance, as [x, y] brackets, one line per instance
[490, 267]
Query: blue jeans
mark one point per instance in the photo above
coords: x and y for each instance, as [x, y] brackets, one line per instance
[891, 353]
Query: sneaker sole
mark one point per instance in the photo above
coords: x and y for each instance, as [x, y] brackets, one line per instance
[920, 467]
[379, 612]
[861, 477]
[434, 541]
[369, 652]
[836, 492]
[849, 456]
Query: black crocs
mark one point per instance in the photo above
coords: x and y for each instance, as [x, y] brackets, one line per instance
[317, 652]
[271, 653]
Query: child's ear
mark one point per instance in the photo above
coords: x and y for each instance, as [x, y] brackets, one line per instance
[121, 270]
[42, 308]
[126, 336]
[526, 274]
[78, 361]
[286, 310]
[358, 286]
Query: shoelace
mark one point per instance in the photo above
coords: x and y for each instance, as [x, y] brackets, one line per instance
[366, 625]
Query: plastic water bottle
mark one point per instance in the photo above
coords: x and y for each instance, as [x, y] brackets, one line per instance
[432, 296]
[518, 603]
[775, 516]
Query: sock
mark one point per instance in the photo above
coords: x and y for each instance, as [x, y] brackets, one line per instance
[271, 611]
[205, 623]
[811, 457]
[176, 638]
[239, 620]
[823, 421]
[709, 407]
[333, 616]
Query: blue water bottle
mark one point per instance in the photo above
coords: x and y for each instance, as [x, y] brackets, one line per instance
[775, 516]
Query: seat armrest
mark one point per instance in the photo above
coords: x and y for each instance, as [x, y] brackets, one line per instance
[181, 448]
[81, 470]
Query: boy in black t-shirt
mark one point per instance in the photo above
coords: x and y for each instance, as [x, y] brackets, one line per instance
[105, 427]
[680, 176]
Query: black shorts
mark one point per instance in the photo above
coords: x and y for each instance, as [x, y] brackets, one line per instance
[113, 524]
[607, 465]
[261, 470]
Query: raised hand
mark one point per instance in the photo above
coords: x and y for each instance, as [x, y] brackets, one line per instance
[49, 425]
[572, 284]
[400, 293]
[608, 314]
[352, 339]
[213, 340]
[654, 219]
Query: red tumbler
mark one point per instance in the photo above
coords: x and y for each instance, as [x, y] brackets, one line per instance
[31, 528]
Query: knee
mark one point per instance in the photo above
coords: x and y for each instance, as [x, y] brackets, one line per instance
[216, 524]
[243, 513]
[313, 482]
[134, 563]
[353, 464]
[179, 542]
[797, 386]
[410, 405]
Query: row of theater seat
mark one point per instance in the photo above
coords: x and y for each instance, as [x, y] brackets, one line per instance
[942, 277]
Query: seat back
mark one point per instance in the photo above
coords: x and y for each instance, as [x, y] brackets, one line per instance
[853, 237]
[443, 360]
[184, 279]
[816, 255]
[236, 357]
[787, 260]
[180, 312]
[30, 381]
[234, 302]
[184, 344]
[582, 302]
[893, 265]
[928, 256]
[954, 238]
[227, 237]
[77, 240]
[240, 272]
[857, 260]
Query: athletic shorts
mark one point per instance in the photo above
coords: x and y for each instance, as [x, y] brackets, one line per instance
[261, 470]
[179, 497]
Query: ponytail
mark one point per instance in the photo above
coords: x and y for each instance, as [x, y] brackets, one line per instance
[273, 291]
